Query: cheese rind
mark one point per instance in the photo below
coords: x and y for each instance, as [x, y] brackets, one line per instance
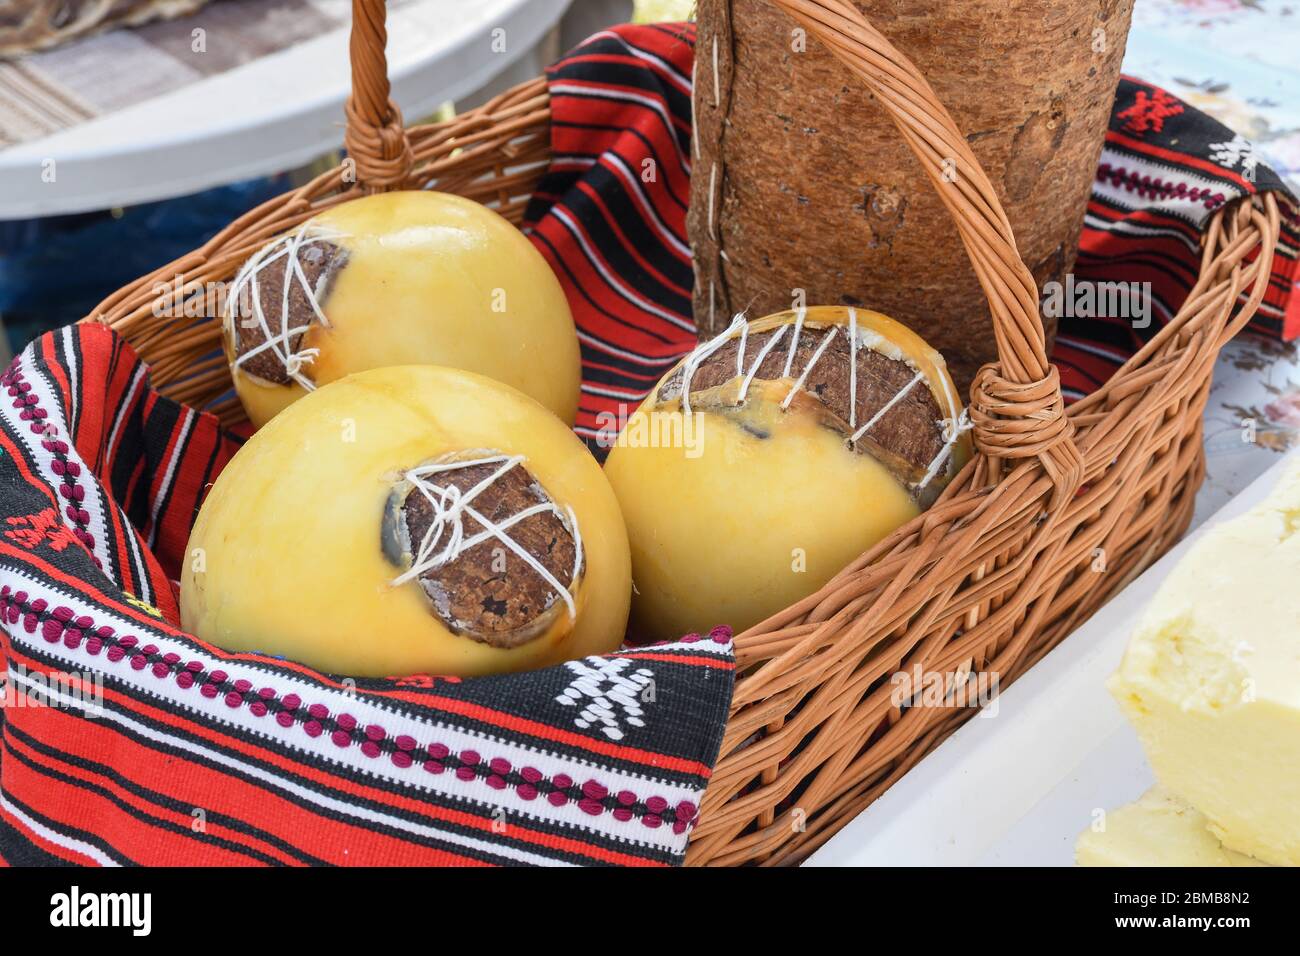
[291, 557]
[1155, 830]
[1211, 679]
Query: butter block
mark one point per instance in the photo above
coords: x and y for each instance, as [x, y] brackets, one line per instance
[1211, 679]
[1156, 830]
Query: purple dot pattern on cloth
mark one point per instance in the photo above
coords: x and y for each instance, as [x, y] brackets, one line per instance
[63, 625]
[20, 394]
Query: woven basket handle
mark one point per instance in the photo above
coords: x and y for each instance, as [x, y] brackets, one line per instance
[1016, 405]
[376, 136]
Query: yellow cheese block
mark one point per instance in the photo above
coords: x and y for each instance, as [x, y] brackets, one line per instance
[1211, 679]
[1156, 830]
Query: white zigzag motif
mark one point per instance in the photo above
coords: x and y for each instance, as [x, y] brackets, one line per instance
[609, 694]
[1234, 151]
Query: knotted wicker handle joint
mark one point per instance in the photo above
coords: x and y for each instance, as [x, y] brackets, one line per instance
[376, 136]
[1016, 405]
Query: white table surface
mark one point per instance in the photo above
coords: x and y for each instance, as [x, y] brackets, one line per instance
[269, 115]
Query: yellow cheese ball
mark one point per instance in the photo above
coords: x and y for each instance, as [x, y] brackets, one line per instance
[395, 279]
[312, 541]
[762, 493]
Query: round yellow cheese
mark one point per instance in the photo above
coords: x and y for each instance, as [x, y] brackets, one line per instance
[287, 554]
[428, 278]
[741, 508]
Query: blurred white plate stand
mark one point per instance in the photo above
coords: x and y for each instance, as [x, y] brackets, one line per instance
[275, 113]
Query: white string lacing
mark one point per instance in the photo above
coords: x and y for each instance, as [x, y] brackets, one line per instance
[740, 351]
[952, 432]
[953, 429]
[696, 358]
[762, 354]
[813, 359]
[287, 248]
[853, 375]
[794, 343]
[884, 409]
[451, 505]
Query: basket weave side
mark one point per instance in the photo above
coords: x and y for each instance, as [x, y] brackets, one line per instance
[983, 582]
[1055, 513]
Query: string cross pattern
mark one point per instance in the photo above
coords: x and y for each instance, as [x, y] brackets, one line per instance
[279, 342]
[446, 538]
[739, 327]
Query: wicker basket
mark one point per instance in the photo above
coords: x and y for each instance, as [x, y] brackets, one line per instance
[989, 579]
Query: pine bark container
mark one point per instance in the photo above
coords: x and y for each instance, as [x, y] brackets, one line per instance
[801, 183]
[990, 578]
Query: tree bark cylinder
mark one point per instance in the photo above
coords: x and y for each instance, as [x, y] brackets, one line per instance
[803, 192]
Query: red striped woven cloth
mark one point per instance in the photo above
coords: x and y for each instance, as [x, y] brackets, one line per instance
[610, 215]
[1164, 170]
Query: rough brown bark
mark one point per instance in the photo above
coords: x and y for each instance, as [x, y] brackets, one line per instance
[800, 181]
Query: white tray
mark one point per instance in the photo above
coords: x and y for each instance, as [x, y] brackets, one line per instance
[1017, 787]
